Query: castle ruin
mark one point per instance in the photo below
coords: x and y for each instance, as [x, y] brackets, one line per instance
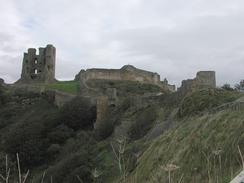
[39, 68]
[203, 80]
[126, 73]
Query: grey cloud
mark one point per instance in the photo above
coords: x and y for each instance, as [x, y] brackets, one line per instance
[210, 42]
[174, 38]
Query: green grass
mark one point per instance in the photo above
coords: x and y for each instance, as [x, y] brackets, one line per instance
[205, 100]
[71, 87]
[125, 87]
[188, 143]
[193, 140]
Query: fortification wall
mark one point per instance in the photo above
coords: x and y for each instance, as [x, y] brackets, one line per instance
[126, 73]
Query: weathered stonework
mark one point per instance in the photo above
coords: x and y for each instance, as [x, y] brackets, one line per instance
[62, 98]
[102, 110]
[203, 80]
[126, 73]
[39, 68]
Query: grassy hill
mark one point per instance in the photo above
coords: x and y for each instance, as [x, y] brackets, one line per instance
[188, 135]
[65, 86]
[203, 145]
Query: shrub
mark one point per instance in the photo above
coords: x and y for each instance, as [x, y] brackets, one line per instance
[76, 158]
[59, 134]
[143, 123]
[3, 96]
[227, 87]
[205, 100]
[53, 150]
[27, 135]
[28, 141]
[75, 164]
[78, 114]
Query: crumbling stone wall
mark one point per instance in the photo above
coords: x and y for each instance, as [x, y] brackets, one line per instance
[126, 73]
[61, 98]
[39, 68]
[203, 80]
[102, 110]
[1, 82]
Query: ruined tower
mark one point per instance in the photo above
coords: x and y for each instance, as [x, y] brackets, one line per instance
[203, 80]
[39, 68]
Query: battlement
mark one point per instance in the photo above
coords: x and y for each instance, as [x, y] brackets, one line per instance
[39, 68]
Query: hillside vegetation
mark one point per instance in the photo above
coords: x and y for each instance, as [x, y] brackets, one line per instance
[65, 86]
[124, 87]
[185, 135]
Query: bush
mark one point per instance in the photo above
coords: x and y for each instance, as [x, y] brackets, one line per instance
[205, 100]
[143, 123]
[27, 135]
[29, 142]
[59, 134]
[3, 96]
[227, 87]
[75, 157]
[75, 164]
[53, 150]
[78, 114]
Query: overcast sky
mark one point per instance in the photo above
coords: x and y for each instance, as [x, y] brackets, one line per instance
[175, 38]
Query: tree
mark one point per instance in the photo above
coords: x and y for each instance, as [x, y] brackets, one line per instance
[227, 87]
[78, 113]
[240, 86]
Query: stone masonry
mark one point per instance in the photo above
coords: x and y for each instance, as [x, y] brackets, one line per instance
[39, 68]
[126, 73]
[203, 80]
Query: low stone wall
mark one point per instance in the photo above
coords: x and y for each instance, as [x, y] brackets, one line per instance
[60, 98]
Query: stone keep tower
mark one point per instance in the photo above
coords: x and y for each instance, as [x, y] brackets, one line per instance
[39, 68]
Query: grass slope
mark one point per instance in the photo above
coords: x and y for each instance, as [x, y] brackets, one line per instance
[65, 86]
[205, 147]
